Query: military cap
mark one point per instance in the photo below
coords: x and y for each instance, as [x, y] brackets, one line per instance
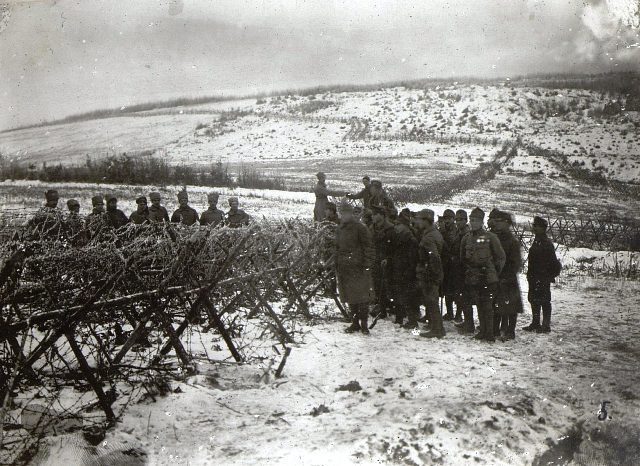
[477, 213]
[406, 213]
[72, 203]
[426, 214]
[540, 222]
[233, 199]
[51, 195]
[461, 213]
[110, 197]
[183, 195]
[376, 183]
[494, 213]
[346, 207]
[321, 175]
[331, 206]
[141, 200]
[448, 213]
[366, 177]
[212, 196]
[97, 200]
[502, 215]
[377, 210]
[154, 195]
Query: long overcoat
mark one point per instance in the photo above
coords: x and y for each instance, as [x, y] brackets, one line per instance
[354, 259]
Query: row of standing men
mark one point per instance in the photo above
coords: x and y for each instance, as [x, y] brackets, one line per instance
[400, 261]
[52, 222]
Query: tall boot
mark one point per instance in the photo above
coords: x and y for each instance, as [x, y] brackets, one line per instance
[497, 320]
[535, 323]
[468, 326]
[355, 319]
[364, 319]
[459, 306]
[448, 301]
[546, 318]
[489, 325]
[482, 323]
[511, 326]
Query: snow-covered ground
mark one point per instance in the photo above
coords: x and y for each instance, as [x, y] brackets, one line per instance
[413, 401]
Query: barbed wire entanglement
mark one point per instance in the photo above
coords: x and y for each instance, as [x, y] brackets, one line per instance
[89, 326]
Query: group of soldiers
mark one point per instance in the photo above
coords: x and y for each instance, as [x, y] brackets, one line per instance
[51, 222]
[402, 260]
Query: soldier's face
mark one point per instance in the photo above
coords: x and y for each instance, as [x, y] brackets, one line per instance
[74, 209]
[346, 215]
[183, 202]
[475, 223]
[112, 205]
[538, 230]
[234, 205]
[447, 221]
[366, 182]
[213, 202]
[52, 202]
[141, 207]
[99, 208]
[500, 225]
[155, 202]
[461, 221]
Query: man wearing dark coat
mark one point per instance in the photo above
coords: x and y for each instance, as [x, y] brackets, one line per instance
[322, 196]
[213, 215]
[75, 224]
[97, 219]
[184, 214]
[364, 194]
[482, 257]
[354, 259]
[508, 302]
[141, 215]
[543, 268]
[157, 212]
[382, 231]
[236, 217]
[429, 271]
[115, 217]
[48, 222]
[379, 197]
[404, 282]
[447, 228]
[457, 276]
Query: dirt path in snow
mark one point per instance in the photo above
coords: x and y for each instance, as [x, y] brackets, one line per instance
[453, 401]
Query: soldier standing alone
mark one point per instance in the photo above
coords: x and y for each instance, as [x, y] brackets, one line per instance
[542, 270]
[482, 258]
[354, 258]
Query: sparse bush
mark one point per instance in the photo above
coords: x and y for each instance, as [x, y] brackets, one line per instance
[251, 178]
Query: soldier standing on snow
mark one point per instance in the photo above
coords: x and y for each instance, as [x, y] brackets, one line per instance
[429, 271]
[48, 222]
[75, 224]
[157, 212]
[405, 259]
[482, 258]
[354, 259]
[322, 192]
[236, 217]
[508, 300]
[457, 276]
[184, 214]
[542, 270]
[448, 230]
[141, 214]
[364, 194]
[382, 231]
[213, 215]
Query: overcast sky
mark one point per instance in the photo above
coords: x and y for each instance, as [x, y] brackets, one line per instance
[63, 57]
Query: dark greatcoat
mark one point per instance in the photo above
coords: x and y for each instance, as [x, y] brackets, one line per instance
[354, 258]
[542, 269]
[403, 266]
[185, 215]
[509, 298]
[212, 217]
[383, 243]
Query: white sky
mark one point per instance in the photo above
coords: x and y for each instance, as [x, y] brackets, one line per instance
[64, 57]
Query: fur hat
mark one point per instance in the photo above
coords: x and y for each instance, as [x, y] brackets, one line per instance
[72, 203]
[426, 214]
[97, 200]
[461, 213]
[448, 213]
[154, 195]
[213, 196]
[141, 200]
